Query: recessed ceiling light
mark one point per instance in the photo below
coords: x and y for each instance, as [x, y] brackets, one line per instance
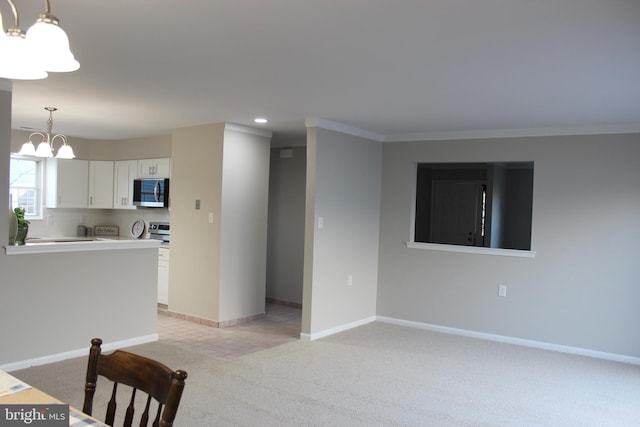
[260, 120]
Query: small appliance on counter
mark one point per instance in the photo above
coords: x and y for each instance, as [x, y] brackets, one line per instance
[160, 231]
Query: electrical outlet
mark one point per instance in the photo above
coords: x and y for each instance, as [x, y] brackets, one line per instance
[502, 290]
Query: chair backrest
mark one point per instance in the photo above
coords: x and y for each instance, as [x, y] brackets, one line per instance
[139, 373]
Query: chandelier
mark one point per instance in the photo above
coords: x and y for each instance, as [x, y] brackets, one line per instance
[44, 48]
[45, 148]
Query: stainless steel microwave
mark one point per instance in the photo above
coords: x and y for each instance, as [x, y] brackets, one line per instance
[151, 192]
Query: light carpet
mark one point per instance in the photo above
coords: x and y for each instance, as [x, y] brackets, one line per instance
[385, 375]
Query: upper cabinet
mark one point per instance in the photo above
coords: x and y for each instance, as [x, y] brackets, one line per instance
[154, 168]
[100, 184]
[67, 183]
[125, 172]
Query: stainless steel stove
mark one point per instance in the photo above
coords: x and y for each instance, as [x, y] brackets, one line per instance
[160, 231]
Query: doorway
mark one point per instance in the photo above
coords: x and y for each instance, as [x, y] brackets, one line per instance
[285, 238]
[457, 212]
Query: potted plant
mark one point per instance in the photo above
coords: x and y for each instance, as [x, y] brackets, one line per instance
[23, 226]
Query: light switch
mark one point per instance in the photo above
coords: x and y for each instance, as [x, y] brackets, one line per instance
[197, 204]
[210, 217]
[320, 223]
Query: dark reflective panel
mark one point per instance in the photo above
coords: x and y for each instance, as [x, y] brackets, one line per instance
[475, 204]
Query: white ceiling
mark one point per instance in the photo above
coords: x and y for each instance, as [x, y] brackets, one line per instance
[398, 69]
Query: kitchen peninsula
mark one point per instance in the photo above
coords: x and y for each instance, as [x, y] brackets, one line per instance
[67, 292]
[54, 302]
[63, 244]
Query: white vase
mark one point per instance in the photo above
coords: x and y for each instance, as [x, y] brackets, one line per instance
[13, 227]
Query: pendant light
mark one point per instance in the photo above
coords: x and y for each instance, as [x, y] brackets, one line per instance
[50, 43]
[45, 148]
[18, 59]
[45, 47]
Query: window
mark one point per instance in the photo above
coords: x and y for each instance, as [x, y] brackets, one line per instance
[25, 185]
[474, 204]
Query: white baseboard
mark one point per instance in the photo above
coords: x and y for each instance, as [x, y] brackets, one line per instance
[516, 341]
[337, 329]
[58, 357]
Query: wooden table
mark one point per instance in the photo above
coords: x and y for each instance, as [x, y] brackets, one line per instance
[34, 396]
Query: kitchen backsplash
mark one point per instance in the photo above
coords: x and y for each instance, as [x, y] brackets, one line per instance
[65, 222]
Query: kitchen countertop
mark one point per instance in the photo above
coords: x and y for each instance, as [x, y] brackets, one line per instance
[79, 244]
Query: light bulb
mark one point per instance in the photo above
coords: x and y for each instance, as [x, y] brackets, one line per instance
[44, 150]
[65, 152]
[27, 149]
[19, 62]
[50, 44]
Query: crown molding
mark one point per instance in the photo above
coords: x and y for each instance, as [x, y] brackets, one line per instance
[513, 133]
[473, 134]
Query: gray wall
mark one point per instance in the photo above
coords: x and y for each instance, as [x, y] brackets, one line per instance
[581, 289]
[285, 250]
[343, 188]
[5, 150]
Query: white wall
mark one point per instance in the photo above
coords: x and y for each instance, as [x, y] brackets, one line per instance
[343, 188]
[581, 289]
[244, 223]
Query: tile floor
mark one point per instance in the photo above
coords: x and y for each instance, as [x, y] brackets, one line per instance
[281, 324]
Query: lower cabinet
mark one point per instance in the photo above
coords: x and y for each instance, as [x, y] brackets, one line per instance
[163, 276]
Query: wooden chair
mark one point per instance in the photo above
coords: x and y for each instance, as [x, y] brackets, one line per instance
[140, 373]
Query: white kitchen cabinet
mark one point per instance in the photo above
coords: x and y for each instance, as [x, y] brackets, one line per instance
[125, 172]
[154, 168]
[163, 276]
[67, 183]
[100, 184]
